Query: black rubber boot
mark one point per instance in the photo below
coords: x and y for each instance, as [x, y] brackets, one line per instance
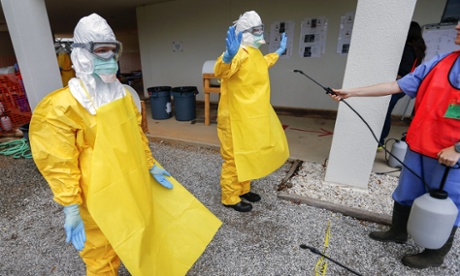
[398, 228]
[430, 257]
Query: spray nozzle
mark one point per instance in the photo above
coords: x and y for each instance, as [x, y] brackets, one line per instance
[316, 251]
[327, 89]
[312, 249]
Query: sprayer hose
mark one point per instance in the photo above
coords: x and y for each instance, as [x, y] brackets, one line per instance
[17, 148]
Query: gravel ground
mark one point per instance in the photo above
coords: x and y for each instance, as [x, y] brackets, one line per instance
[262, 242]
[308, 182]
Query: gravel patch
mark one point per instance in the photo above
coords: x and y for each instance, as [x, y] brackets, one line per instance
[265, 241]
[309, 182]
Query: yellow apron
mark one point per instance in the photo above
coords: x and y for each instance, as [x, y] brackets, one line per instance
[259, 142]
[154, 231]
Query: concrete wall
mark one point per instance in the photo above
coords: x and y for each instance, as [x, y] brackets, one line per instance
[353, 147]
[202, 37]
[32, 40]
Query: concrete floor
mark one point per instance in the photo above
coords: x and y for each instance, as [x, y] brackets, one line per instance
[309, 139]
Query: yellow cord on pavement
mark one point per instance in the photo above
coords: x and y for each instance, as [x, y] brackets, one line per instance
[321, 265]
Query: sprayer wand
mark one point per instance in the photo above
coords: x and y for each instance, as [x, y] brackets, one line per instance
[330, 92]
[327, 89]
[316, 251]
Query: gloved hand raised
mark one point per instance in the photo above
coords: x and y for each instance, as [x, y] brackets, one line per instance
[74, 228]
[283, 45]
[233, 44]
[159, 175]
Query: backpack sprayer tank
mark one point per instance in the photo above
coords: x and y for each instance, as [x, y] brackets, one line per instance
[432, 217]
[398, 149]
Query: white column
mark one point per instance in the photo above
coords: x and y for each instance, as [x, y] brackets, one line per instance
[29, 28]
[377, 42]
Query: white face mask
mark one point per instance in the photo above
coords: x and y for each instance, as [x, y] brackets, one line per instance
[108, 78]
[259, 40]
[252, 40]
[106, 69]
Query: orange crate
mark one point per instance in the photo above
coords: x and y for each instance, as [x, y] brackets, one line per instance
[13, 98]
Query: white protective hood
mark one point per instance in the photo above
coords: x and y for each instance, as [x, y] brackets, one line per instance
[248, 20]
[92, 28]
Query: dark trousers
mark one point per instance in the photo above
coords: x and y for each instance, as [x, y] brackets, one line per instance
[387, 125]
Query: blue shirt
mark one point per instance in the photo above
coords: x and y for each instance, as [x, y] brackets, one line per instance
[409, 83]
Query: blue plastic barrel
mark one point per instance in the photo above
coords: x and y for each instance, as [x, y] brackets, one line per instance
[185, 102]
[160, 102]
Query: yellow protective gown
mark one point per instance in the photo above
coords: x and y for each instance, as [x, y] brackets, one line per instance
[65, 67]
[101, 162]
[253, 142]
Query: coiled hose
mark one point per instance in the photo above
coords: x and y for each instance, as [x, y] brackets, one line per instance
[17, 148]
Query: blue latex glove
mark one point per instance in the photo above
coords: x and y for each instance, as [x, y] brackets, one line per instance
[283, 45]
[74, 227]
[233, 44]
[159, 175]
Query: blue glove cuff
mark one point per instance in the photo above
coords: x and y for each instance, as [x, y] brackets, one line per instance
[74, 228]
[72, 210]
[280, 51]
[226, 58]
[155, 169]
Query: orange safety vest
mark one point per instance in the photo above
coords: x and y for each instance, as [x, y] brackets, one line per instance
[430, 130]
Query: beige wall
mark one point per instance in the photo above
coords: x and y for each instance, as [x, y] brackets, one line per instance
[202, 35]
[130, 59]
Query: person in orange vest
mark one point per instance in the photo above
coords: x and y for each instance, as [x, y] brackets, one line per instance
[433, 139]
[413, 54]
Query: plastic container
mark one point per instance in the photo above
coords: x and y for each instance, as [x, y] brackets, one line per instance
[431, 220]
[160, 102]
[6, 123]
[432, 217]
[7, 70]
[399, 150]
[185, 102]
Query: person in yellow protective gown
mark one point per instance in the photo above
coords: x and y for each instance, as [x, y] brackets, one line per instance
[65, 66]
[119, 203]
[253, 142]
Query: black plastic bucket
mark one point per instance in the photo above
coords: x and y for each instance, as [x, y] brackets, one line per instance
[185, 102]
[25, 132]
[160, 102]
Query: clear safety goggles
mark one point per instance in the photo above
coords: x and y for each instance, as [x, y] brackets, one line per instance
[257, 30]
[102, 50]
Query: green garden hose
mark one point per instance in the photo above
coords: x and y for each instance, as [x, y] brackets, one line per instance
[17, 148]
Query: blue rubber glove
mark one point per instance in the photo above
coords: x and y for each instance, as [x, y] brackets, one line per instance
[74, 228]
[233, 44]
[159, 175]
[283, 45]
